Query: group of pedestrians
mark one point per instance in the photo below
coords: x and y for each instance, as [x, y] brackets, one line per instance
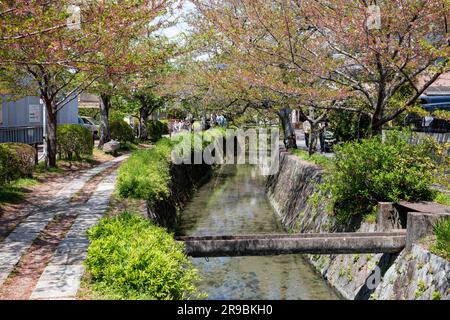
[180, 125]
[323, 132]
[205, 123]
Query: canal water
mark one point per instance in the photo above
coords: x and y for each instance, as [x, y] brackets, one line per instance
[232, 203]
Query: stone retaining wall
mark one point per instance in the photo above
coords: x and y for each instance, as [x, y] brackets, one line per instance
[415, 275]
[185, 179]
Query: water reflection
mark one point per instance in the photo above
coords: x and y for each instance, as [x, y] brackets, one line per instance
[233, 203]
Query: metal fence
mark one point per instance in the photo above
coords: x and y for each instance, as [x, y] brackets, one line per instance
[28, 135]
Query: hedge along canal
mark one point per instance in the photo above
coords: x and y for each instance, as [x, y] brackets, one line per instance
[234, 202]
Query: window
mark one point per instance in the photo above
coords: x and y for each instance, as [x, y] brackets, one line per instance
[1, 113]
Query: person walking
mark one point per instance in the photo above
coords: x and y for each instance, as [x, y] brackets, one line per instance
[307, 132]
[322, 127]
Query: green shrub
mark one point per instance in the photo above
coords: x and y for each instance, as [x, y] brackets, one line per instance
[164, 126]
[130, 258]
[16, 161]
[26, 157]
[74, 139]
[146, 174]
[121, 131]
[371, 171]
[348, 125]
[442, 233]
[156, 129]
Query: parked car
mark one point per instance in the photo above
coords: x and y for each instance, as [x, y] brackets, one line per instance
[91, 124]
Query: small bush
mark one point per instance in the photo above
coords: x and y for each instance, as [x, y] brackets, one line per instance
[26, 156]
[371, 171]
[121, 131]
[164, 126]
[16, 161]
[442, 233]
[146, 174]
[348, 125]
[156, 129]
[442, 198]
[73, 140]
[130, 258]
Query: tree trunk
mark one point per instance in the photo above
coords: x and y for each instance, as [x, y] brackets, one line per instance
[105, 135]
[50, 160]
[144, 113]
[290, 141]
[375, 128]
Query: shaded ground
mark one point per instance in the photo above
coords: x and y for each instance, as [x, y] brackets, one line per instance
[22, 281]
[35, 197]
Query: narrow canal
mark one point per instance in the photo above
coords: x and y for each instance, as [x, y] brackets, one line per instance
[233, 203]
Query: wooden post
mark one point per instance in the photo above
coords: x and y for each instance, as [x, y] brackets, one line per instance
[36, 154]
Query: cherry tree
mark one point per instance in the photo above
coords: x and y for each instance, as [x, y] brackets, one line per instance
[59, 50]
[379, 47]
[274, 44]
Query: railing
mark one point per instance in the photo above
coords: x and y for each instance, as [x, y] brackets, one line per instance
[27, 135]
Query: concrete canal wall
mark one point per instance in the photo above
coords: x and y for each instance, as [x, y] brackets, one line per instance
[415, 273]
[185, 178]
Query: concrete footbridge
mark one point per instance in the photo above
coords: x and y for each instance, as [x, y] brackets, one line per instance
[307, 243]
[398, 227]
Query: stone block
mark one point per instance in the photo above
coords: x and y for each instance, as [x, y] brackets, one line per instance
[111, 147]
[58, 282]
[420, 225]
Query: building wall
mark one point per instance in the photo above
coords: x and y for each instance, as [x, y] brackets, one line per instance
[27, 112]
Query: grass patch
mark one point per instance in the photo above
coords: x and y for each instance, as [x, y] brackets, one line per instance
[371, 217]
[316, 158]
[442, 198]
[129, 146]
[14, 192]
[41, 168]
[441, 247]
[129, 258]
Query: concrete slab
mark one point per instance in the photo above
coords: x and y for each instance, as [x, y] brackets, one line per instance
[61, 278]
[4, 273]
[58, 282]
[71, 252]
[424, 206]
[420, 225]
